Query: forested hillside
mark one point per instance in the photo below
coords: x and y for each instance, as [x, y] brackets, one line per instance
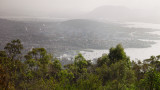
[76, 34]
[39, 70]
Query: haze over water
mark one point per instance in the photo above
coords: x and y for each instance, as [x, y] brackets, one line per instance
[134, 53]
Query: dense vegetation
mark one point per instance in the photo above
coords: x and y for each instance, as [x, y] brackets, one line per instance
[38, 70]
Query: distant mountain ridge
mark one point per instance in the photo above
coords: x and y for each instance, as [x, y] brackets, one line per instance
[109, 13]
[120, 13]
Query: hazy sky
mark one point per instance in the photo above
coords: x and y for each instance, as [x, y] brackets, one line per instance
[61, 6]
[83, 5]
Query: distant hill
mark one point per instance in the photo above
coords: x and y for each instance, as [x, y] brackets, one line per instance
[120, 13]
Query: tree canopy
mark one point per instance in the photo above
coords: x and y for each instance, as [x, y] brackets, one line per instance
[39, 70]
